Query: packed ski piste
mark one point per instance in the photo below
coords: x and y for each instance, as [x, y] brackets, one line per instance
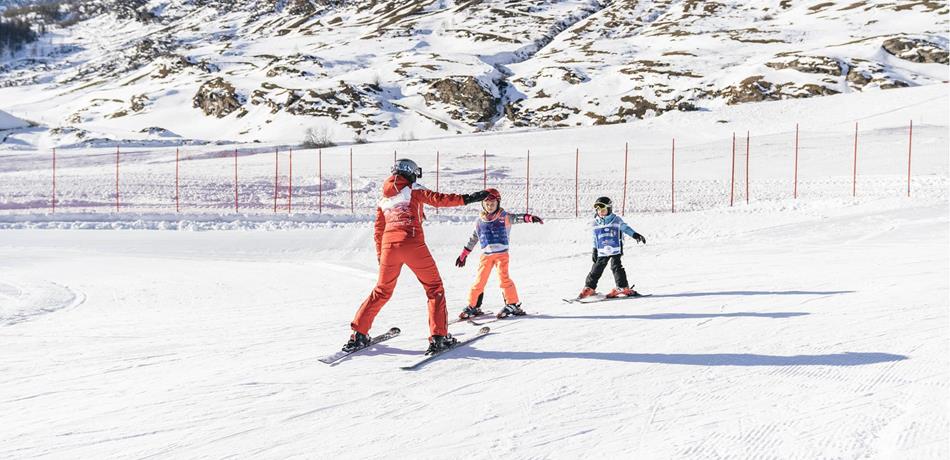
[400, 241]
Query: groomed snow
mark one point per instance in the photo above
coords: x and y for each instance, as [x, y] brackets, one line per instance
[782, 328]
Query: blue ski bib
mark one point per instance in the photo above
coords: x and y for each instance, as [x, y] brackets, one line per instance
[493, 234]
[608, 239]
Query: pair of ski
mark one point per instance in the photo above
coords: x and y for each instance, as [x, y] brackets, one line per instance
[603, 298]
[394, 332]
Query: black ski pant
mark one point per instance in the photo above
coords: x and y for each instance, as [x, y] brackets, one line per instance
[620, 275]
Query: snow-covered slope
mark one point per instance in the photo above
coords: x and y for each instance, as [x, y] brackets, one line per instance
[9, 122]
[771, 333]
[793, 328]
[368, 70]
[210, 178]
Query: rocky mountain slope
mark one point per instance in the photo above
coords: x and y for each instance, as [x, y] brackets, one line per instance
[169, 71]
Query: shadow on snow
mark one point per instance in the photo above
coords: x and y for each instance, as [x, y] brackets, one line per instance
[715, 293]
[711, 359]
[778, 314]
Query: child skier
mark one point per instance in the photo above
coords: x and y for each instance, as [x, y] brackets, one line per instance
[400, 241]
[608, 247]
[491, 232]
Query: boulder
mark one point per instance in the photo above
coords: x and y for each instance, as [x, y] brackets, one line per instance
[915, 50]
[217, 98]
[811, 64]
[477, 102]
[752, 89]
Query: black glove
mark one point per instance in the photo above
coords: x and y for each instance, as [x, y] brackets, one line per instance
[473, 197]
[639, 238]
[594, 257]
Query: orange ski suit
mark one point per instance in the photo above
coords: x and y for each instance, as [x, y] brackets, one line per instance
[494, 254]
[485, 265]
[400, 241]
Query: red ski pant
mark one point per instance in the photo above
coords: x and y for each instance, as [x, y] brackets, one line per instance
[485, 265]
[415, 255]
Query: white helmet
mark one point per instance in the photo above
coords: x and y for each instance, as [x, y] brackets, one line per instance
[407, 168]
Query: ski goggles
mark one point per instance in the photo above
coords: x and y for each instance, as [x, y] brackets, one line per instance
[600, 205]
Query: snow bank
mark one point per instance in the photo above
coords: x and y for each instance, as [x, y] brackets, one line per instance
[8, 121]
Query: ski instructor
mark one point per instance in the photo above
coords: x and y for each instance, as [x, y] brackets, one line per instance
[400, 241]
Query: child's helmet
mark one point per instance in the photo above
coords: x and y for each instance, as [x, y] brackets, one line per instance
[604, 202]
[494, 195]
[407, 168]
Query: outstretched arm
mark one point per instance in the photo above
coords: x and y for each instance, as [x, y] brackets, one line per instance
[515, 218]
[445, 200]
[632, 233]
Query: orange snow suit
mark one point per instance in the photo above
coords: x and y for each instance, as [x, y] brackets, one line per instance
[400, 241]
[491, 231]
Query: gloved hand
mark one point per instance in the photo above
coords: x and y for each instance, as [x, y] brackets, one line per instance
[594, 257]
[532, 219]
[639, 238]
[473, 197]
[460, 262]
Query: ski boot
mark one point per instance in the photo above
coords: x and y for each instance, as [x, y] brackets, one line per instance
[470, 312]
[625, 292]
[511, 309]
[357, 340]
[587, 292]
[629, 292]
[438, 343]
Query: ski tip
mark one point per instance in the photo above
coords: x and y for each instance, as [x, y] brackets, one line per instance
[394, 330]
[484, 330]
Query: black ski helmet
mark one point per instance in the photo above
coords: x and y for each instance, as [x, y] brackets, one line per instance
[605, 202]
[407, 168]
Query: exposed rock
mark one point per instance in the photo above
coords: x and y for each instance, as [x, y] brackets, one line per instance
[573, 76]
[217, 98]
[639, 67]
[138, 102]
[309, 7]
[863, 73]
[548, 116]
[686, 106]
[151, 49]
[69, 130]
[811, 64]
[172, 64]
[893, 83]
[301, 7]
[284, 70]
[158, 132]
[916, 50]
[752, 89]
[757, 89]
[476, 101]
[351, 105]
[857, 78]
[640, 107]
[807, 90]
[598, 119]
